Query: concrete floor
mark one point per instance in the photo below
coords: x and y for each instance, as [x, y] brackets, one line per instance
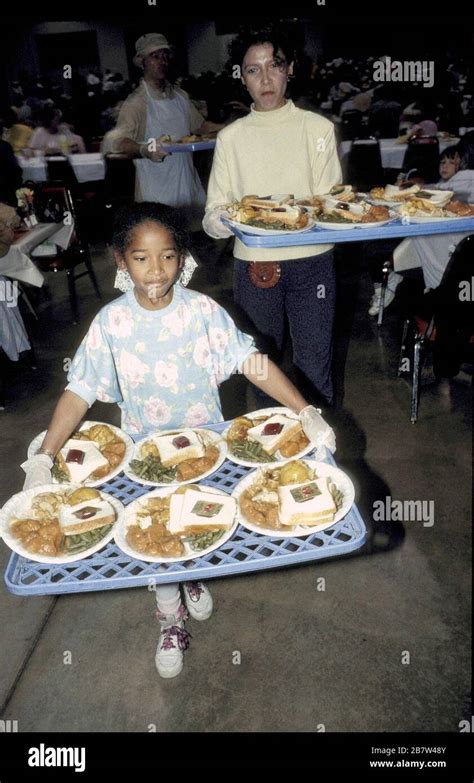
[308, 657]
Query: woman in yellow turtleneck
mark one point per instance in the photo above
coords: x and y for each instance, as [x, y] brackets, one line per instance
[279, 148]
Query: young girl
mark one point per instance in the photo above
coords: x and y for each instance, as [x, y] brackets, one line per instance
[160, 352]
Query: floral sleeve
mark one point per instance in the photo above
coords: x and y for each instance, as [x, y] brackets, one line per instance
[224, 347]
[93, 375]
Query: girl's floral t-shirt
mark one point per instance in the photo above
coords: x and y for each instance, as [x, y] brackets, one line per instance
[162, 367]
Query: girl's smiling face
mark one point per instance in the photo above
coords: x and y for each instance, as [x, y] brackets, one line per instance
[153, 261]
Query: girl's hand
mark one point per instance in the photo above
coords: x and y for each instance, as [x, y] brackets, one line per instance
[38, 471]
[316, 429]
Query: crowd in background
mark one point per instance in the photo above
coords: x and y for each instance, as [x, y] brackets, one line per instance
[341, 89]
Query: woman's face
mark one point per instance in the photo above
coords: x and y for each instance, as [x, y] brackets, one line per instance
[447, 168]
[265, 75]
[153, 262]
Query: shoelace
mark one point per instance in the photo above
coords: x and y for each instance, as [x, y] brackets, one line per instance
[182, 638]
[181, 614]
[194, 591]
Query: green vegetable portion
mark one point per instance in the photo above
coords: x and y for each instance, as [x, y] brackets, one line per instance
[151, 469]
[201, 541]
[73, 545]
[250, 451]
[59, 474]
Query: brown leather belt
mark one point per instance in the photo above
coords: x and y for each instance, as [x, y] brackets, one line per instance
[264, 274]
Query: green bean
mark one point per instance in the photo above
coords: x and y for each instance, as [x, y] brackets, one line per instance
[251, 451]
[151, 469]
[201, 541]
[59, 474]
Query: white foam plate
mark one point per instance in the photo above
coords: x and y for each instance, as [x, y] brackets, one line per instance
[266, 232]
[214, 437]
[337, 476]
[18, 506]
[280, 460]
[36, 443]
[128, 519]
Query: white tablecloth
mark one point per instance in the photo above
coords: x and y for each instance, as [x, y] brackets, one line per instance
[88, 167]
[392, 153]
[16, 263]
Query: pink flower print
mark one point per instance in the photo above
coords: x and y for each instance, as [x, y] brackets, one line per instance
[94, 338]
[166, 374]
[202, 352]
[129, 424]
[207, 305]
[156, 411]
[132, 370]
[197, 415]
[218, 339]
[178, 320]
[120, 321]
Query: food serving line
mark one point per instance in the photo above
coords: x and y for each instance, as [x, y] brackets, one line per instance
[246, 551]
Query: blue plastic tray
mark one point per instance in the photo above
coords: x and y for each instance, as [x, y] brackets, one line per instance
[322, 236]
[195, 146]
[111, 569]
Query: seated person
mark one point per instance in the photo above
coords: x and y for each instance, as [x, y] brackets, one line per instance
[11, 175]
[17, 132]
[13, 337]
[449, 163]
[54, 137]
[433, 252]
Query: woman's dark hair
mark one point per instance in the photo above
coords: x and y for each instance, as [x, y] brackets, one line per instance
[448, 153]
[250, 36]
[132, 215]
[465, 150]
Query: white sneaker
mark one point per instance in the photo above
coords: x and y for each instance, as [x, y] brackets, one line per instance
[376, 300]
[198, 600]
[172, 643]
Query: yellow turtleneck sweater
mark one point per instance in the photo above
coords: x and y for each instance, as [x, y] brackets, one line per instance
[286, 150]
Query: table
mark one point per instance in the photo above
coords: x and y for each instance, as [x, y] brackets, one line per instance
[245, 552]
[391, 152]
[16, 263]
[88, 167]
[321, 236]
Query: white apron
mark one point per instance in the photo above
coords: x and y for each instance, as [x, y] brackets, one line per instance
[175, 181]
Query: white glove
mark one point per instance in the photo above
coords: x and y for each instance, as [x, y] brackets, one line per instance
[38, 471]
[316, 429]
[213, 225]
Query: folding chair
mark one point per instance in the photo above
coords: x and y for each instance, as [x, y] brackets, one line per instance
[57, 200]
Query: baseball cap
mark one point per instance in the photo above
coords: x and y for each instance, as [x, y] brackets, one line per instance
[147, 44]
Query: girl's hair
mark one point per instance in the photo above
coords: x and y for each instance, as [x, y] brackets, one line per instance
[248, 37]
[132, 215]
[448, 153]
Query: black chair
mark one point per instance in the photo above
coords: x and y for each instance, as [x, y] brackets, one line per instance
[364, 165]
[444, 320]
[422, 157]
[351, 125]
[57, 200]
